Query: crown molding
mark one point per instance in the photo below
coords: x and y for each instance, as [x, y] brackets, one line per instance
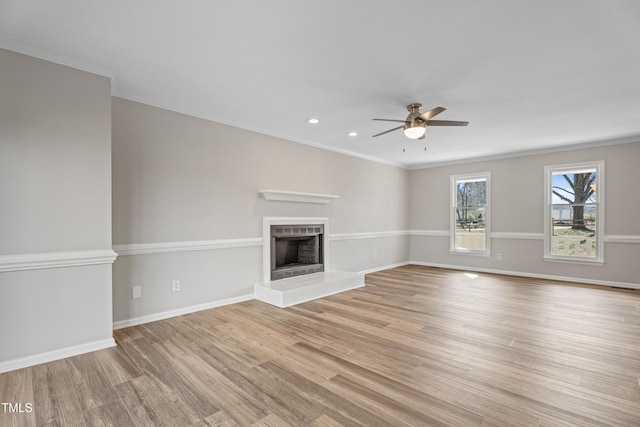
[56, 57]
[146, 100]
[524, 153]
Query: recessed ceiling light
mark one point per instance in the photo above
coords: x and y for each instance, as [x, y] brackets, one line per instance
[353, 133]
[313, 121]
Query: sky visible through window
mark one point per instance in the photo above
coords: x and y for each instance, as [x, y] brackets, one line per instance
[560, 184]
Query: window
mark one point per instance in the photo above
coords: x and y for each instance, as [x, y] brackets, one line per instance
[470, 214]
[574, 212]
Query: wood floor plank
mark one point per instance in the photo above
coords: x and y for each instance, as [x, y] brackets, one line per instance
[17, 389]
[212, 384]
[112, 414]
[331, 405]
[117, 365]
[62, 410]
[51, 380]
[298, 410]
[56, 401]
[325, 421]
[191, 405]
[219, 419]
[126, 334]
[92, 386]
[146, 405]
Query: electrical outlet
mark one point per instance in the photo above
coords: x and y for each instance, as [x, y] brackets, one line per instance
[175, 285]
[499, 256]
[136, 292]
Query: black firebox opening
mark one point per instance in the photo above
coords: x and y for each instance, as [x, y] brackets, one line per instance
[296, 250]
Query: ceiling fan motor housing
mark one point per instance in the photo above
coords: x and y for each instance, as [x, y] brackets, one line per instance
[414, 126]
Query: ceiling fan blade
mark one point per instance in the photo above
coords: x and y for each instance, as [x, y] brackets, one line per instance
[445, 123]
[390, 120]
[431, 113]
[390, 130]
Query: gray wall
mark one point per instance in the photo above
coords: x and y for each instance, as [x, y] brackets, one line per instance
[517, 186]
[55, 207]
[180, 180]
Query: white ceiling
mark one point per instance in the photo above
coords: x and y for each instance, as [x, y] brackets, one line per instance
[529, 75]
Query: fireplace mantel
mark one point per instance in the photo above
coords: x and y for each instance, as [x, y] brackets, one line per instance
[295, 196]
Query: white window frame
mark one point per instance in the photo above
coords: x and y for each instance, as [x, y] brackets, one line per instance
[598, 166]
[454, 179]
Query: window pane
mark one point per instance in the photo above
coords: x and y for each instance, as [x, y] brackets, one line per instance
[471, 193]
[470, 229]
[573, 187]
[574, 230]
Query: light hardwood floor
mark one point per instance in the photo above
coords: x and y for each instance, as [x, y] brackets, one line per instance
[415, 346]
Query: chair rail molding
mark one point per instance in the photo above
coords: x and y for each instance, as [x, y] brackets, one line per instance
[368, 235]
[619, 238]
[36, 261]
[197, 245]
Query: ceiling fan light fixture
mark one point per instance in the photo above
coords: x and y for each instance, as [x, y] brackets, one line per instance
[415, 130]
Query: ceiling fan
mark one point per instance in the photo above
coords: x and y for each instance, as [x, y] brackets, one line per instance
[416, 122]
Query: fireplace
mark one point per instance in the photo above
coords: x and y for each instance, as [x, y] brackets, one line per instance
[296, 249]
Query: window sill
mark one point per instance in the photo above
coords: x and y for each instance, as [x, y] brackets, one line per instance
[567, 260]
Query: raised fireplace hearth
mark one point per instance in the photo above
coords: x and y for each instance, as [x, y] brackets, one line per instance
[296, 249]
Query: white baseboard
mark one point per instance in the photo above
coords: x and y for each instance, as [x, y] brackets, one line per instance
[50, 356]
[180, 311]
[385, 267]
[532, 275]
